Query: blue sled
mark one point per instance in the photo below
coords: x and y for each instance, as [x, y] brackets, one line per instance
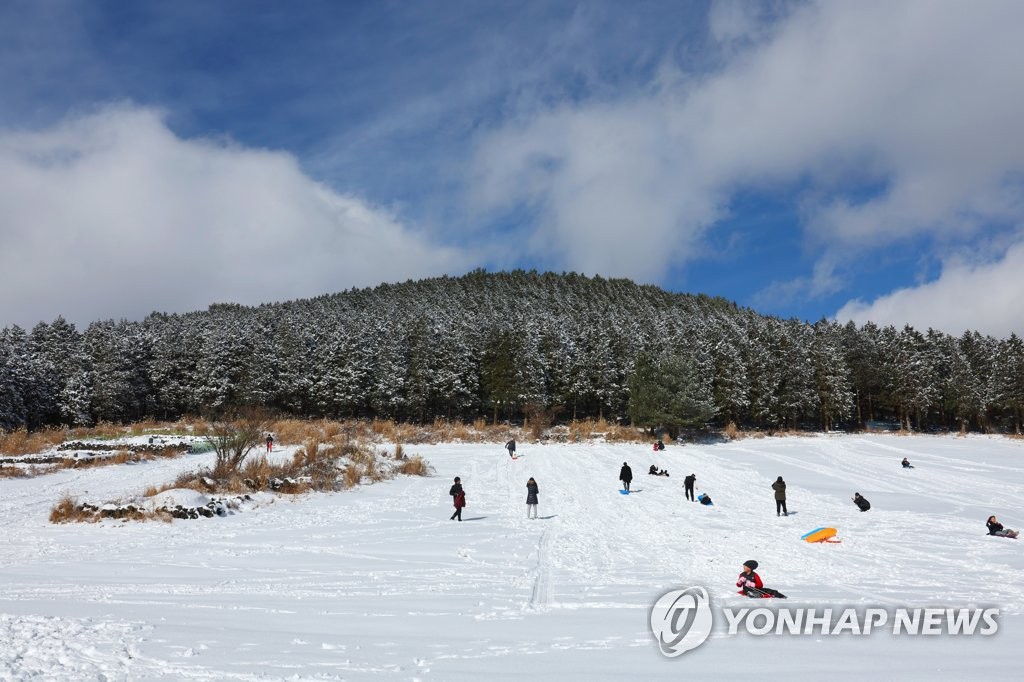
[624, 492]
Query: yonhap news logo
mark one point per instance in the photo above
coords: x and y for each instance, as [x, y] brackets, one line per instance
[681, 620]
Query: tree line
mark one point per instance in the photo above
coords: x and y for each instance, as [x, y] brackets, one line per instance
[500, 345]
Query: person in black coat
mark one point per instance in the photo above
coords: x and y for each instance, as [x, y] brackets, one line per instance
[996, 528]
[780, 496]
[625, 475]
[458, 498]
[511, 447]
[688, 484]
[653, 471]
[531, 498]
[859, 500]
[906, 463]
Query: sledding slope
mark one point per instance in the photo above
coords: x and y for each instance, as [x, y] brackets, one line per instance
[377, 583]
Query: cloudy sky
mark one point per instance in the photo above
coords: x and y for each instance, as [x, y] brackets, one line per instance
[856, 160]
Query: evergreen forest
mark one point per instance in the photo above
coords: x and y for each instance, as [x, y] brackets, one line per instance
[503, 345]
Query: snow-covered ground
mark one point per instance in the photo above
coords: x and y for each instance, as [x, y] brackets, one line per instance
[378, 583]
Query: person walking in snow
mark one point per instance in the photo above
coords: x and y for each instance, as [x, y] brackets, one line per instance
[780, 497]
[531, 499]
[511, 447]
[270, 442]
[861, 503]
[688, 484]
[625, 475]
[458, 498]
[996, 528]
[750, 583]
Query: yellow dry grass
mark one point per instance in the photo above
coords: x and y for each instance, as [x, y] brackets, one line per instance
[414, 466]
[12, 472]
[67, 511]
[22, 442]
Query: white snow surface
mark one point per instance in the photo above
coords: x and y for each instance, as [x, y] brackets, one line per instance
[378, 583]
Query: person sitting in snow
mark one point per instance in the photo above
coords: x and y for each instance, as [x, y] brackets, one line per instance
[859, 500]
[653, 471]
[705, 499]
[996, 528]
[659, 445]
[906, 463]
[751, 586]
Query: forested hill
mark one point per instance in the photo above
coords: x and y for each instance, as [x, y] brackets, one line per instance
[486, 344]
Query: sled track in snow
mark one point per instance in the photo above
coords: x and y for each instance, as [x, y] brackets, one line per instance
[540, 597]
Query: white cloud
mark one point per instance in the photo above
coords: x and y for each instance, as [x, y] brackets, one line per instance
[984, 297]
[112, 215]
[920, 98]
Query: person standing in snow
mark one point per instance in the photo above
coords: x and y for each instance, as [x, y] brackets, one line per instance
[996, 528]
[270, 442]
[511, 447]
[750, 583]
[625, 475]
[531, 499]
[780, 496]
[861, 503]
[458, 498]
[688, 484]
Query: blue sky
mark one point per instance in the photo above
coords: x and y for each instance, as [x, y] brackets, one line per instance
[850, 160]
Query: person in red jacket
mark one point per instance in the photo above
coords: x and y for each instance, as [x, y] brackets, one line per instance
[751, 586]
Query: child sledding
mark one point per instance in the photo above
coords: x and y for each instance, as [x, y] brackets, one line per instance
[751, 586]
[996, 528]
[861, 503]
[654, 471]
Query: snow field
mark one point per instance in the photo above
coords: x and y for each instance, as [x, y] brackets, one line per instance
[378, 583]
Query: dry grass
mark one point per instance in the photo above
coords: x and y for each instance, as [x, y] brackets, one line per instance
[119, 457]
[67, 510]
[616, 433]
[103, 430]
[731, 431]
[21, 442]
[579, 431]
[12, 472]
[415, 466]
[333, 455]
[352, 476]
[148, 426]
[290, 431]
